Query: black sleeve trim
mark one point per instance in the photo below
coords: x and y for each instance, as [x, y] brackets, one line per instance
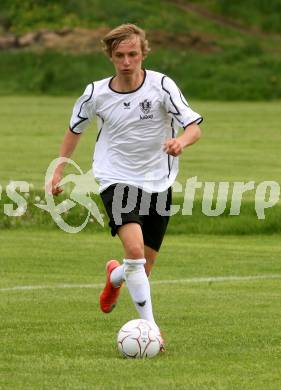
[173, 103]
[74, 132]
[197, 121]
[169, 156]
[82, 119]
[182, 99]
[99, 133]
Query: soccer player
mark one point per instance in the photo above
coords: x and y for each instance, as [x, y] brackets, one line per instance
[139, 113]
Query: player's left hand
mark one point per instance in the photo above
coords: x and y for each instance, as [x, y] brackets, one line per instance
[173, 147]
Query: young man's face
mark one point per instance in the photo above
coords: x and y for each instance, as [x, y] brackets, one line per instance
[127, 57]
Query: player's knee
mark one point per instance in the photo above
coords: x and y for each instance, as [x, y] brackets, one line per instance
[134, 250]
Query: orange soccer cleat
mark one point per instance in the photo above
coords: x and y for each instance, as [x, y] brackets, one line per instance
[109, 294]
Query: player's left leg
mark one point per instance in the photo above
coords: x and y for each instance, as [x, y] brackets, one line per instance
[134, 271]
[150, 256]
[154, 229]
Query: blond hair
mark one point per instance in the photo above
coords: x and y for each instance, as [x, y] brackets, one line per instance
[122, 32]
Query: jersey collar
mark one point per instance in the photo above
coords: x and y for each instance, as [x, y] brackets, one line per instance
[110, 81]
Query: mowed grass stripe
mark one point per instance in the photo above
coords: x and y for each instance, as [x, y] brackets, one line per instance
[36, 258]
[212, 279]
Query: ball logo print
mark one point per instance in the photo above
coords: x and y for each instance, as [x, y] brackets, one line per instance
[139, 339]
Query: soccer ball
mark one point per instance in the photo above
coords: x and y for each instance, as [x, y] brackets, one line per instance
[139, 339]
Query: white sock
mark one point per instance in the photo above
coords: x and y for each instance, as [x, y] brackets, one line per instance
[117, 276]
[139, 288]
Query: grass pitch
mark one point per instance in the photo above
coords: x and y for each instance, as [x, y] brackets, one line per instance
[220, 335]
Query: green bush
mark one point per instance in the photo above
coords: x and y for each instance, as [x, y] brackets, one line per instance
[265, 14]
[229, 75]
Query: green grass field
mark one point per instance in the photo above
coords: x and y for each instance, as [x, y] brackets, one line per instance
[220, 335]
[216, 297]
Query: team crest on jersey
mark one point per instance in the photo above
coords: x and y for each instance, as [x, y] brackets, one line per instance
[146, 106]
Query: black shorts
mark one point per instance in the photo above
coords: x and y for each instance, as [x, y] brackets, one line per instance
[125, 204]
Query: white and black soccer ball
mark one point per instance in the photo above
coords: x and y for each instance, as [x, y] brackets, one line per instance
[139, 339]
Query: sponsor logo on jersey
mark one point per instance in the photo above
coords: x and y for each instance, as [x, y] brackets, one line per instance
[127, 105]
[142, 117]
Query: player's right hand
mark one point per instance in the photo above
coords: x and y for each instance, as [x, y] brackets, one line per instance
[53, 186]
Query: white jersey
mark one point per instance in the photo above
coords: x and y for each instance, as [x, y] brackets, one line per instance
[133, 127]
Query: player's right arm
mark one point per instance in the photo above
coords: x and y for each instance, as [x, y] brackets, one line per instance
[68, 146]
[83, 113]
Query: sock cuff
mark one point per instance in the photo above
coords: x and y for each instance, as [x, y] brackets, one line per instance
[136, 262]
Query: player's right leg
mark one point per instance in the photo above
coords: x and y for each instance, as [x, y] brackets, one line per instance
[115, 199]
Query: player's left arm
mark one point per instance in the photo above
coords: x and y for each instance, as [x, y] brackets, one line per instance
[175, 146]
